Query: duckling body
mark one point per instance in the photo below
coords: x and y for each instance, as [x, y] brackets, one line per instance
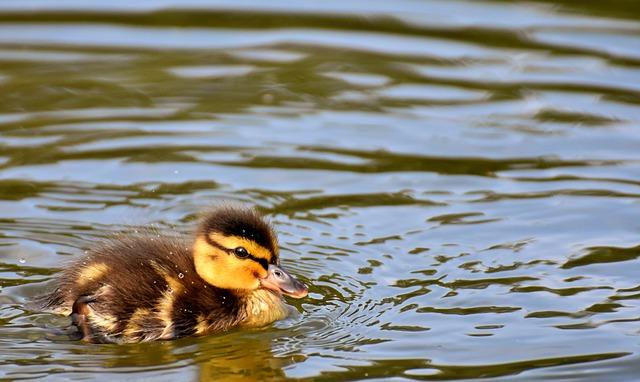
[146, 287]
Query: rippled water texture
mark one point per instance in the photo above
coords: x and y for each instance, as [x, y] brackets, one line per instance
[458, 182]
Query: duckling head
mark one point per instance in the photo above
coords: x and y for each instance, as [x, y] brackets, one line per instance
[236, 249]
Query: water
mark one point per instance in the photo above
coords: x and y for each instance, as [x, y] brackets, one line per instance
[457, 182]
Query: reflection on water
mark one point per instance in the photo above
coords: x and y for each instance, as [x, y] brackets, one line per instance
[457, 182]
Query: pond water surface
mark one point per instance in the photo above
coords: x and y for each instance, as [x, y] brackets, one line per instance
[457, 182]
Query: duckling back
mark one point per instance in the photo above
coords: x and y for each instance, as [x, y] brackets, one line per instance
[141, 288]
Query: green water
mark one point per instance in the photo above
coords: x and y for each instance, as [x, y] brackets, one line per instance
[457, 182]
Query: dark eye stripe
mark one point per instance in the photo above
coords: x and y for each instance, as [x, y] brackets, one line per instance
[263, 262]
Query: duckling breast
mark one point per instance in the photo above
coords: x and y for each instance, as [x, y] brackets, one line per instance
[262, 307]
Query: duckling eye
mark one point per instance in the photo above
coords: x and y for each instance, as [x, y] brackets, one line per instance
[241, 252]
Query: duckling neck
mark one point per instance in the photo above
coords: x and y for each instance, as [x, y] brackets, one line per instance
[262, 307]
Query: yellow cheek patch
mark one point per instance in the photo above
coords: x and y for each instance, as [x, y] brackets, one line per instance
[232, 242]
[91, 272]
[223, 270]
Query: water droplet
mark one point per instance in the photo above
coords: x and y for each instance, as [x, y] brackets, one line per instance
[22, 260]
[180, 275]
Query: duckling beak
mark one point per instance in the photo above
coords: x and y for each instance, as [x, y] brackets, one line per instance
[280, 281]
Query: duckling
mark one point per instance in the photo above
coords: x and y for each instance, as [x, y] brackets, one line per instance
[146, 287]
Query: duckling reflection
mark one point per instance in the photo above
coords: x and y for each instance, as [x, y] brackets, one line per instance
[240, 364]
[144, 288]
[218, 358]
